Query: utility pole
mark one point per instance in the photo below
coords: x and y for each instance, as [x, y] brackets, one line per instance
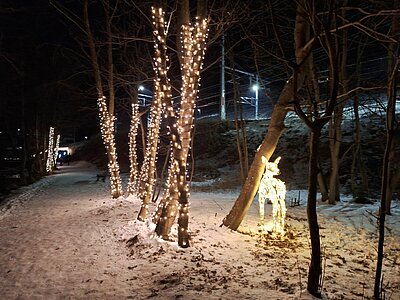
[223, 108]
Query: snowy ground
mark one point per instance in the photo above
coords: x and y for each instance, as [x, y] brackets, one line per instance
[64, 237]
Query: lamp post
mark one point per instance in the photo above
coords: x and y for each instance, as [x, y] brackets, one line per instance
[255, 89]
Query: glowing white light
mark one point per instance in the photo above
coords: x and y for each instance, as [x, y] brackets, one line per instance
[56, 148]
[50, 151]
[273, 189]
[141, 88]
[255, 87]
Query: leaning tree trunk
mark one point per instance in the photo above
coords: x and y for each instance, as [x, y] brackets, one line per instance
[275, 128]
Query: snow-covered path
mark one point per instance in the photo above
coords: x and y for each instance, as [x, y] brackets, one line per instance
[54, 245]
[65, 238]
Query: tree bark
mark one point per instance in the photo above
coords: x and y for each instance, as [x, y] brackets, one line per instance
[385, 182]
[314, 272]
[335, 132]
[393, 163]
[390, 131]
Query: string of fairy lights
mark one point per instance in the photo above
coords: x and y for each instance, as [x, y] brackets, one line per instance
[133, 176]
[180, 125]
[147, 176]
[57, 146]
[163, 88]
[193, 40]
[107, 125]
[50, 151]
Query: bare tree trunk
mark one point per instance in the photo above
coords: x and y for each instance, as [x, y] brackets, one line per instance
[359, 186]
[322, 183]
[316, 122]
[335, 135]
[111, 100]
[393, 167]
[335, 130]
[394, 160]
[106, 119]
[390, 126]
[314, 272]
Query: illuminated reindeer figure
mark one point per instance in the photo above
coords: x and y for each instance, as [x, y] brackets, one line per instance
[274, 189]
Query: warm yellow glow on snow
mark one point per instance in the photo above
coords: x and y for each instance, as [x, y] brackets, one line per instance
[273, 189]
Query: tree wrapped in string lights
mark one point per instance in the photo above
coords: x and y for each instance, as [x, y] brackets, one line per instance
[148, 170]
[107, 125]
[133, 175]
[176, 198]
[106, 113]
[56, 147]
[50, 151]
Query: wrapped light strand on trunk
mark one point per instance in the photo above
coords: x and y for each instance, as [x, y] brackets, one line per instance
[107, 125]
[50, 151]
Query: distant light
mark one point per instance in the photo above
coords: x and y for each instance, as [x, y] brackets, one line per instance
[255, 87]
[18, 129]
[141, 88]
[86, 137]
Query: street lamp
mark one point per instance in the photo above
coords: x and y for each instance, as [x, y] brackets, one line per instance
[255, 88]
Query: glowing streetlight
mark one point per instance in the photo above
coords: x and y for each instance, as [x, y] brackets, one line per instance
[255, 88]
[141, 88]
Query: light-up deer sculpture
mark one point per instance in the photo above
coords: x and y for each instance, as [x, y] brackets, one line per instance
[273, 189]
